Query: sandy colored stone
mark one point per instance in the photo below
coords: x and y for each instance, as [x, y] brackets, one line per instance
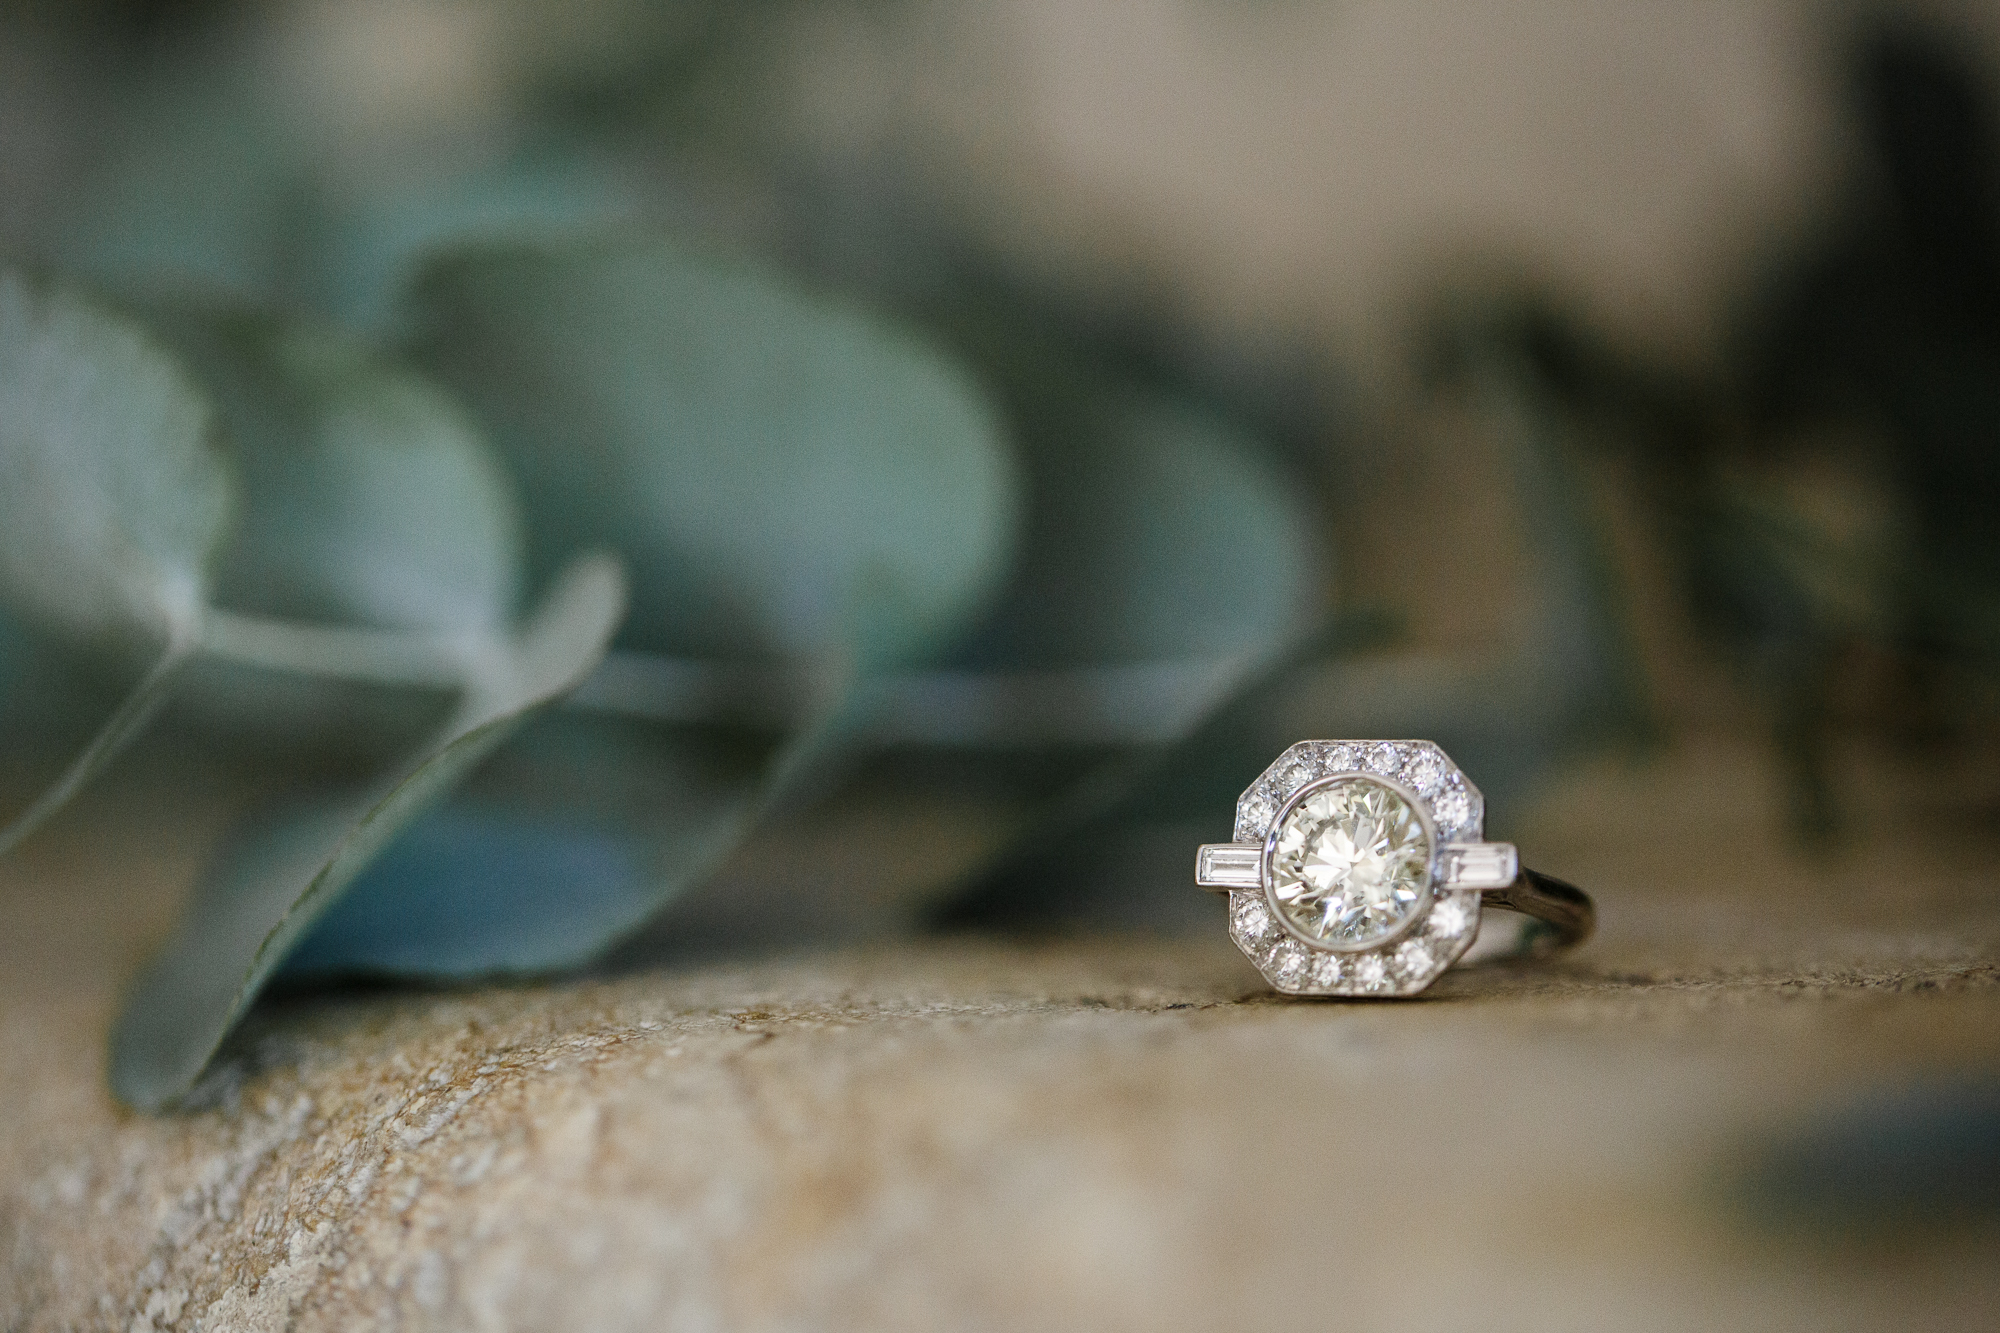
[1110, 1132]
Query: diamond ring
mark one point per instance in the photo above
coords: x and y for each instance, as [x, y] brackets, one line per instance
[1360, 868]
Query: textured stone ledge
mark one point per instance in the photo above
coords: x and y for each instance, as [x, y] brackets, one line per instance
[1110, 1132]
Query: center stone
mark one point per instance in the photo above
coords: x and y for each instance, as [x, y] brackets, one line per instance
[1350, 864]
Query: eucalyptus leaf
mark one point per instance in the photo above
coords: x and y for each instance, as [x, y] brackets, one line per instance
[371, 240]
[1158, 532]
[1169, 561]
[487, 889]
[1170, 565]
[113, 500]
[478, 888]
[1166, 519]
[792, 483]
[259, 903]
[370, 502]
[1167, 556]
[751, 450]
[586, 829]
[113, 495]
[370, 497]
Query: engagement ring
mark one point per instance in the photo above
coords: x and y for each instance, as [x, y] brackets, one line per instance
[1360, 868]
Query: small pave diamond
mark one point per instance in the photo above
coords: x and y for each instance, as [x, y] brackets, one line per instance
[1290, 777]
[1370, 972]
[1253, 817]
[1413, 958]
[1326, 970]
[1453, 807]
[1342, 759]
[1253, 919]
[1288, 961]
[1384, 758]
[1423, 770]
[1350, 864]
[1448, 919]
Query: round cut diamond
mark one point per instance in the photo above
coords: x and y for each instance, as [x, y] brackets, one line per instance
[1448, 919]
[1253, 818]
[1424, 769]
[1252, 920]
[1351, 863]
[1412, 958]
[1453, 807]
[1291, 776]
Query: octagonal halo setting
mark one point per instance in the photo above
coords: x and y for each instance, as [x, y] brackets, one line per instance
[1352, 832]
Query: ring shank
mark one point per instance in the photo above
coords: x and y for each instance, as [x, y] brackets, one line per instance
[1563, 909]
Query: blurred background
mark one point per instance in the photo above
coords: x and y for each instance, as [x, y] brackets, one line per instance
[1570, 382]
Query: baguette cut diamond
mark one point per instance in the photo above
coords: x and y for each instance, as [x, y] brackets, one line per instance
[1350, 863]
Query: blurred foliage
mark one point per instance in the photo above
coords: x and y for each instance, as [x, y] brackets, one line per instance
[757, 457]
[1831, 505]
[356, 389]
[274, 886]
[378, 324]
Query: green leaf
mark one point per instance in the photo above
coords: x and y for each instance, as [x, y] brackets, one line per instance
[585, 829]
[486, 887]
[113, 500]
[249, 916]
[371, 241]
[378, 538]
[370, 497]
[791, 482]
[753, 452]
[1170, 563]
[511, 887]
[510, 884]
[1158, 532]
[113, 496]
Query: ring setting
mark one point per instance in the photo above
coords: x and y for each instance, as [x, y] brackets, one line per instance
[1360, 868]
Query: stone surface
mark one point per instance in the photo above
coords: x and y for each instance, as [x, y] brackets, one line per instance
[1104, 1133]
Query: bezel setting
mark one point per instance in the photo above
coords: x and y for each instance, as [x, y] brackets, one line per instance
[1304, 793]
[1404, 961]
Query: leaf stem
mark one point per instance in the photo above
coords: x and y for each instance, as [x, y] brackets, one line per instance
[125, 722]
[1113, 704]
[345, 652]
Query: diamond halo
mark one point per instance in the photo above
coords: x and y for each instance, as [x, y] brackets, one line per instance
[1438, 926]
